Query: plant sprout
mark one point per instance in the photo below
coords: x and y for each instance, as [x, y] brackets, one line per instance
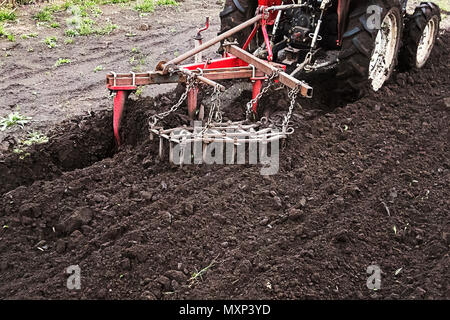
[13, 119]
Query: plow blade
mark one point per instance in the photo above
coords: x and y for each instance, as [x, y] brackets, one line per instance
[119, 104]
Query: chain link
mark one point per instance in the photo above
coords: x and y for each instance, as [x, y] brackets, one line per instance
[215, 112]
[264, 90]
[190, 84]
[293, 93]
[293, 97]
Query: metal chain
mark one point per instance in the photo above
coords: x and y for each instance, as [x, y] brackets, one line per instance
[190, 84]
[250, 104]
[215, 108]
[215, 111]
[293, 97]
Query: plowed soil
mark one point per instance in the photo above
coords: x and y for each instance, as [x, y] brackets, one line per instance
[360, 184]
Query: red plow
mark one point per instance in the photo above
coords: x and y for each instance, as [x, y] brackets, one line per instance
[236, 63]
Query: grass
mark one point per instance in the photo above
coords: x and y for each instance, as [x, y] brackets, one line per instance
[443, 4]
[31, 139]
[13, 119]
[115, 1]
[85, 7]
[50, 42]
[110, 27]
[5, 34]
[167, 3]
[7, 15]
[29, 35]
[21, 152]
[445, 8]
[139, 91]
[71, 33]
[83, 10]
[86, 29]
[98, 68]
[145, 6]
[62, 61]
[137, 63]
[44, 16]
[34, 138]
[137, 60]
[96, 12]
[199, 274]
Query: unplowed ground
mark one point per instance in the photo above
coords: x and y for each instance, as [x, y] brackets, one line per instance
[32, 84]
[360, 184]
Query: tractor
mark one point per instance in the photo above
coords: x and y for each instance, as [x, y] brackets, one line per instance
[280, 42]
[363, 39]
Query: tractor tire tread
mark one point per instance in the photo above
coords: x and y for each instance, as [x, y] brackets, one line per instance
[414, 26]
[357, 47]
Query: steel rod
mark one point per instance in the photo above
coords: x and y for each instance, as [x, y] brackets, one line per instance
[203, 79]
[267, 68]
[210, 43]
[286, 7]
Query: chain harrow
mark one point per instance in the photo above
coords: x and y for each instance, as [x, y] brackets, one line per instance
[215, 130]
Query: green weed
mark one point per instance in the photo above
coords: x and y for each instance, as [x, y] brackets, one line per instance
[145, 6]
[7, 15]
[62, 61]
[13, 119]
[50, 42]
[98, 68]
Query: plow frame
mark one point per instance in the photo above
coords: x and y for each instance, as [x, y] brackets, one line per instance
[236, 63]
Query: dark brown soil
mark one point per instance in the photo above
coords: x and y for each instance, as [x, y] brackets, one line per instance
[363, 184]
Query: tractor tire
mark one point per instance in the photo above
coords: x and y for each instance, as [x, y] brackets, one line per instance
[362, 64]
[235, 13]
[419, 36]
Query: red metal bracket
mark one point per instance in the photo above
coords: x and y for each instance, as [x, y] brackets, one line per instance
[119, 104]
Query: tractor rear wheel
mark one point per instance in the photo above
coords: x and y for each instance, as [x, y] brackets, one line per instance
[369, 46]
[235, 13]
[419, 36]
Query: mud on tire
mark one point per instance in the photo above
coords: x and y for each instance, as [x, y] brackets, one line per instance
[415, 24]
[234, 13]
[358, 43]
